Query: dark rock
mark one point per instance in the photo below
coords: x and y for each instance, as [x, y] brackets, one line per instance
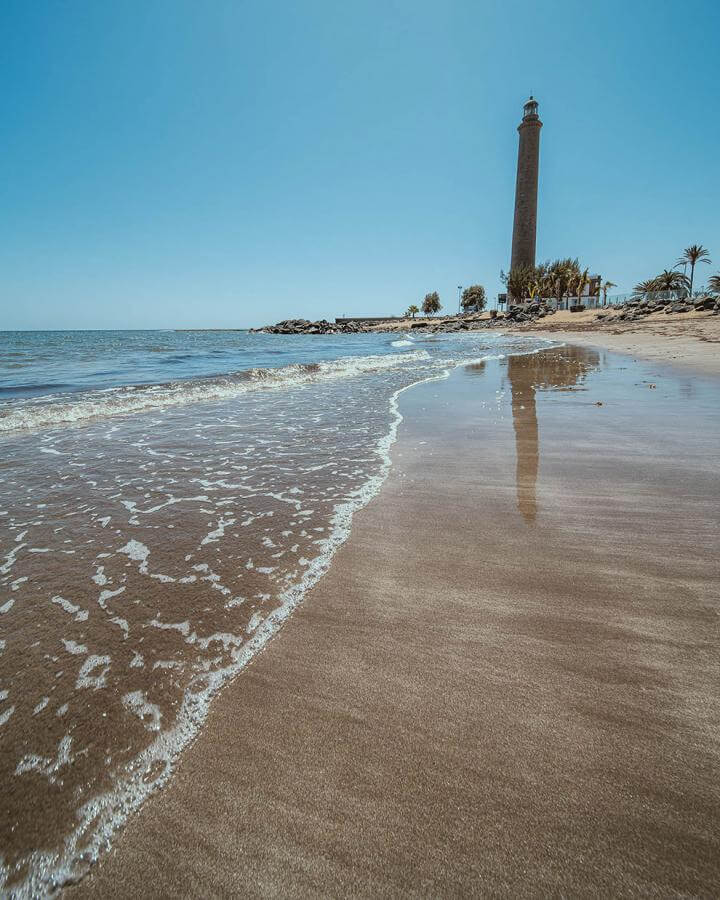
[304, 326]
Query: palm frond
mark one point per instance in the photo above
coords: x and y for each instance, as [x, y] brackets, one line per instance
[695, 253]
[670, 280]
[645, 287]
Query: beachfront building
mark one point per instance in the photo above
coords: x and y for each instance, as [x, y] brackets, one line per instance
[526, 187]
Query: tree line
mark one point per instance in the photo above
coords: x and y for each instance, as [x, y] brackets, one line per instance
[557, 279]
[473, 298]
[561, 279]
[564, 278]
[673, 280]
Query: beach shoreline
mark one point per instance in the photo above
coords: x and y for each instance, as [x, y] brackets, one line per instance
[687, 339]
[152, 548]
[699, 353]
[488, 691]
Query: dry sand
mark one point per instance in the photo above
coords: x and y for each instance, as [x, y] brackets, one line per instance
[506, 685]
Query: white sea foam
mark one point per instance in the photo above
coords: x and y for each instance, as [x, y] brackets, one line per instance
[93, 672]
[137, 552]
[44, 765]
[108, 595]
[41, 705]
[80, 614]
[122, 623]
[10, 559]
[219, 531]
[99, 578]
[148, 713]
[57, 410]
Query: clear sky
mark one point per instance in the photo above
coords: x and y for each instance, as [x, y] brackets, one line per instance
[177, 163]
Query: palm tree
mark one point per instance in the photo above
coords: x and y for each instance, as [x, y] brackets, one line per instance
[412, 311]
[518, 281]
[560, 279]
[605, 288]
[670, 280]
[645, 287]
[692, 255]
[714, 283]
[562, 273]
[542, 281]
[580, 281]
[547, 282]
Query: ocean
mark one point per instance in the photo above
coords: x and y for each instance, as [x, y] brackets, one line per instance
[166, 500]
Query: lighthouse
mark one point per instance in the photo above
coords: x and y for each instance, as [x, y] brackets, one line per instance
[526, 187]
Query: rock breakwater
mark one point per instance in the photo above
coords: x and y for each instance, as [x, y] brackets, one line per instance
[322, 326]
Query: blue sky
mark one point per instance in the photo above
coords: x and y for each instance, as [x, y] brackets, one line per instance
[172, 163]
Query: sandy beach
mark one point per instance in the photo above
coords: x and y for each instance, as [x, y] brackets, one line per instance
[507, 682]
[359, 451]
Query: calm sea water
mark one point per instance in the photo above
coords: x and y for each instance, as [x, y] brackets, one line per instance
[166, 499]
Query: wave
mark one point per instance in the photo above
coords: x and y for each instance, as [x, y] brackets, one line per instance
[100, 404]
[19, 389]
[404, 342]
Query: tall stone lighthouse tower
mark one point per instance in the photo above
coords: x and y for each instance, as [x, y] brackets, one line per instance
[526, 188]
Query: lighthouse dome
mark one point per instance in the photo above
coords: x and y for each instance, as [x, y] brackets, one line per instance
[531, 108]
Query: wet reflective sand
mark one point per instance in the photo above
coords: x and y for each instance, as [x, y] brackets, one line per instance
[507, 682]
[564, 370]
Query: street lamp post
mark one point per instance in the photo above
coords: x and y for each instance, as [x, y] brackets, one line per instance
[459, 298]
